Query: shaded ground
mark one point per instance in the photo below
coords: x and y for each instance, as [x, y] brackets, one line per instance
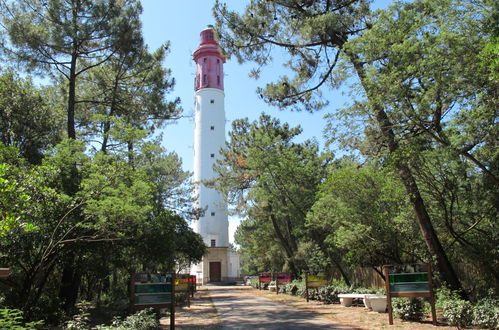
[247, 308]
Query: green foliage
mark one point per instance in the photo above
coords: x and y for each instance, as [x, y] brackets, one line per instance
[483, 314]
[408, 309]
[12, 319]
[363, 215]
[458, 312]
[26, 120]
[271, 181]
[80, 320]
[142, 320]
[424, 110]
[486, 313]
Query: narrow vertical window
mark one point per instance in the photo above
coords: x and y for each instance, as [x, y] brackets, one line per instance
[218, 80]
[205, 78]
[213, 243]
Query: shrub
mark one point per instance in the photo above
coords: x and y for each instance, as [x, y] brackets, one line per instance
[13, 319]
[81, 320]
[408, 309]
[486, 313]
[458, 312]
[142, 320]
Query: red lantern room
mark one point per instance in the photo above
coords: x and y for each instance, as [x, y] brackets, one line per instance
[209, 62]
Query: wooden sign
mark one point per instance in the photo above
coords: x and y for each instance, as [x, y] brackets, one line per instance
[155, 291]
[182, 285]
[4, 272]
[314, 281]
[182, 282]
[281, 278]
[411, 281]
[263, 278]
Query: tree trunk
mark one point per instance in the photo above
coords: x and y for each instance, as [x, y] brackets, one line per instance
[70, 284]
[107, 123]
[72, 99]
[425, 225]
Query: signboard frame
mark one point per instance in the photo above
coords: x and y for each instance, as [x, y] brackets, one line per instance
[321, 282]
[145, 278]
[410, 284]
[192, 285]
[287, 279]
[183, 285]
[265, 276]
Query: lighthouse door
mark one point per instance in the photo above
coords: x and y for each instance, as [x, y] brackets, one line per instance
[215, 271]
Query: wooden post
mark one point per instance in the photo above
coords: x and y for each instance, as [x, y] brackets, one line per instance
[276, 276]
[388, 294]
[4, 272]
[432, 296]
[306, 285]
[172, 305]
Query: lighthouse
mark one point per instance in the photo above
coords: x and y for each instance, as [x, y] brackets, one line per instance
[220, 264]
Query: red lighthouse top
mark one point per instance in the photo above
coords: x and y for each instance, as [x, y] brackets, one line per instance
[209, 62]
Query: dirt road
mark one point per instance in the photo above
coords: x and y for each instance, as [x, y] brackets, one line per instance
[240, 307]
[238, 311]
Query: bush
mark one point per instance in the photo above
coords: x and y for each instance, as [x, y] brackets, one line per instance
[294, 288]
[142, 320]
[462, 313]
[458, 312]
[13, 319]
[486, 313]
[408, 309]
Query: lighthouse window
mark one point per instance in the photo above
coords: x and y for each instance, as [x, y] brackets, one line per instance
[218, 80]
[212, 155]
[212, 101]
[213, 243]
[218, 61]
[204, 78]
[212, 128]
[212, 214]
[204, 60]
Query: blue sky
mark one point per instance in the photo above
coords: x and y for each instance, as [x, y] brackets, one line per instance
[180, 22]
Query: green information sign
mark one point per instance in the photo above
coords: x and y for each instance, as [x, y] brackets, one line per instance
[409, 277]
[152, 288]
[412, 280]
[163, 298]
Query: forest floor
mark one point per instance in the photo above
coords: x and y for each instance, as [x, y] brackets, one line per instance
[203, 314]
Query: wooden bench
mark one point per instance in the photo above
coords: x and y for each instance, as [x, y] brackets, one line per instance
[379, 301]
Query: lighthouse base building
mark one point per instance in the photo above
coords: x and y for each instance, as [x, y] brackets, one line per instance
[220, 264]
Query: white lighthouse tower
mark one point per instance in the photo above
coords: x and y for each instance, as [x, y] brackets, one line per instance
[209, 138]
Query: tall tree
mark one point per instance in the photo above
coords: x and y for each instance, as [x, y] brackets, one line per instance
[316, 36]
[271, 179]
[67, 38]
[26, 120]
[131, 89]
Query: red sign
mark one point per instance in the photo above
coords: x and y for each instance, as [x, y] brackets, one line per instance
[264, 277]
[282, 278]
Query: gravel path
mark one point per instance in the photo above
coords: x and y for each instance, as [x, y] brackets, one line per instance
[238, 311]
